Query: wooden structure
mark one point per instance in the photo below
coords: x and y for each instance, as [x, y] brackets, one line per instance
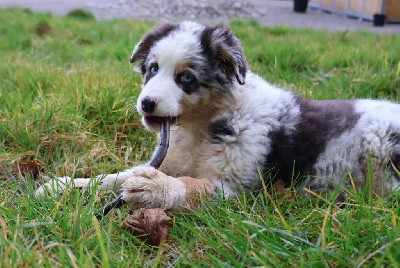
[361, 9]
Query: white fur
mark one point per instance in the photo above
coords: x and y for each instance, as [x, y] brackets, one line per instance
[369, 137]
[254, 110]
[153, 189]
[162, 88]
[234, 162]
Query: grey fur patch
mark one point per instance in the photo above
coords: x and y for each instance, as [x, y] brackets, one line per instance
[220, 128]
[319, 122]
[394, 163]
[223, 52]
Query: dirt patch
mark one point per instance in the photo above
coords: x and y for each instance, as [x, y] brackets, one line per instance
[43, 28]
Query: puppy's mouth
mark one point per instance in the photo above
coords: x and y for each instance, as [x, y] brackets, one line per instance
[154, 121]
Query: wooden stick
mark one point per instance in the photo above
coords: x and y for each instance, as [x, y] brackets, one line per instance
[156, 161]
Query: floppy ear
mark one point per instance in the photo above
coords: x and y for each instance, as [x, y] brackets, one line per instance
[226, 48]
[141, 50]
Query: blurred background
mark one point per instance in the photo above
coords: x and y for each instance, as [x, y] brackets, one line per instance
[332, 15]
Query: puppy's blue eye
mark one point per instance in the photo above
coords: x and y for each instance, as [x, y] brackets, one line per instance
[186, 78]
[153, 70]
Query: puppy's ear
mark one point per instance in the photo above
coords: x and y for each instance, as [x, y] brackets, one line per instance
[220, 43]
[141, 50]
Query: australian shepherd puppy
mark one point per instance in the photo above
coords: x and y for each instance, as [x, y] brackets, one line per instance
[227, 123]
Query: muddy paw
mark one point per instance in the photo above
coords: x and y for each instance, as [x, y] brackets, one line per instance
[150, 188]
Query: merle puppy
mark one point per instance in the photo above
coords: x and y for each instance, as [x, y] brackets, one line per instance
[228, 121]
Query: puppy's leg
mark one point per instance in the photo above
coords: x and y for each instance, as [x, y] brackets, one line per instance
[58, 185]
[107, 182]
[151, 188]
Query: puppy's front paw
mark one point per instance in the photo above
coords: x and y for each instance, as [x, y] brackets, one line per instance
[150, 188]
[58, 185]
[147, 172]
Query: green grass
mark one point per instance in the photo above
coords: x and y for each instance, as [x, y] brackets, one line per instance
[67, 101]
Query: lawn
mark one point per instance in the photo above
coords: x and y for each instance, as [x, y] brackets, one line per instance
[67, 102]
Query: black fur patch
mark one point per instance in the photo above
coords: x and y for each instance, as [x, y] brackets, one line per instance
[223, 54]
[146, 74]
[188, 88]
[219, 128]
[319, 122]
[394, 163]
[143, 70]
[150, 38]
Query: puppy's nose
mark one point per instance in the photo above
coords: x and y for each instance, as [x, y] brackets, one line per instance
[148, 105]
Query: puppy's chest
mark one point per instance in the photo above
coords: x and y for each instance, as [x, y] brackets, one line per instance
[225, 153]
[183, 154]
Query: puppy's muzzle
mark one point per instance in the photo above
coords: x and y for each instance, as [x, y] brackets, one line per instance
[148, 105]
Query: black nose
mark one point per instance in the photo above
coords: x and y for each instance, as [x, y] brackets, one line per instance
[148, 105]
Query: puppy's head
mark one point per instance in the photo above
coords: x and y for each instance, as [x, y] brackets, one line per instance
[187, 70]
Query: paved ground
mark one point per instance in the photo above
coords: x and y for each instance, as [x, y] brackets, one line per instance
[268, 12]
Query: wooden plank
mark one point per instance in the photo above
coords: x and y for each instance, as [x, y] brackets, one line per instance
[334, 5]
[366, 7]
[372, 7]
[341, 5]
[328, 4]
[392, 9]
[355, 5]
